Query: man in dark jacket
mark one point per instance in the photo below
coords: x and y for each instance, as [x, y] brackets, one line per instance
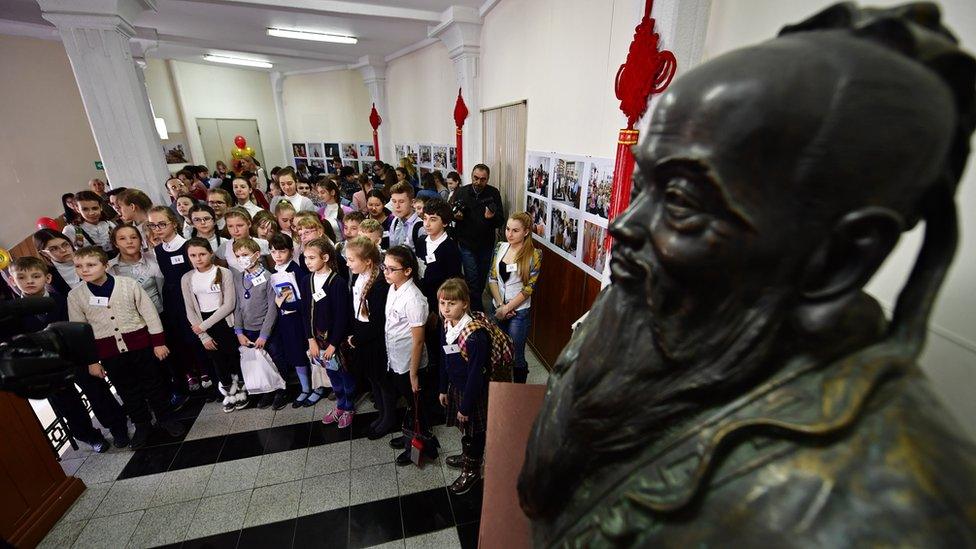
[478, 213]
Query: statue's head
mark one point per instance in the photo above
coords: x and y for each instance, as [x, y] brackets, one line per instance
[770, 186]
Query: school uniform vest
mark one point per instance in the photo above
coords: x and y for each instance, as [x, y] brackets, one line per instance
[511, 287]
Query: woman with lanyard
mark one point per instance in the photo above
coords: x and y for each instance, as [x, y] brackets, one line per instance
[514, 272]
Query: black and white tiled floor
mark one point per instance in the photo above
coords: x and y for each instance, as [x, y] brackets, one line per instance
[260, 478]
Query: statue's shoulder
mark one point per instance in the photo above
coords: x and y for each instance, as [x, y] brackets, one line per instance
[837, 457]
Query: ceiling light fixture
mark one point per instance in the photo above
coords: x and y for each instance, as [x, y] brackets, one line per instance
[312, 35]
[237, 61]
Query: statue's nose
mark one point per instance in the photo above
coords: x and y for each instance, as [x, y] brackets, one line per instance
[628, 228]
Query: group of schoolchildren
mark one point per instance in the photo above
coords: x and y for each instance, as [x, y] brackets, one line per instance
[207, 297]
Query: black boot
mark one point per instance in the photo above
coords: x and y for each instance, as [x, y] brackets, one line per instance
[519, 375]
[141, 436]
[456, 462]
[470, 470]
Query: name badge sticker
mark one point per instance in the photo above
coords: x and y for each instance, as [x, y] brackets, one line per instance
[513, 268]
[317, 296]
[452, 349]
[386, 234]
[98, 301]
[176, 260]
[430, 258]
[215, 288]
[258, 280]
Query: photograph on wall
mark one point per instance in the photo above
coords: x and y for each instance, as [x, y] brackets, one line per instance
[301, 165]
[315, 150]
[412, 153]
[330, 150]
[400, 151]
[317, 164]
[366, 150]
[566, 184]
[299, 150]
[452, 157]
[537, 174]
[176, 149]
[598, 187]
[335, 164]
[425, 155]
[538, 209]
[440, 158]
[594, 252]
[564, 229]
[349, 150]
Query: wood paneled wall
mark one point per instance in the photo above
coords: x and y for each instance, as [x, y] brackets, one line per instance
[564, 292]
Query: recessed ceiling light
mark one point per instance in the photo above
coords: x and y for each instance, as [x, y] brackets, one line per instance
[238, 61]
[311, 35]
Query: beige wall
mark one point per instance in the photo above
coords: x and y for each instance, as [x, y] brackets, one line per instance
[421, 91]
[561, 56]
[44, 151]
[950, 357]
[207, 91]
[327, 106]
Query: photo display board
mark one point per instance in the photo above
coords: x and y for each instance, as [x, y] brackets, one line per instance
[329, 157]
[568, 197]
[428, 157]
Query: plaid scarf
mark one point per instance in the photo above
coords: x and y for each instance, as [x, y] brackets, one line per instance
[502, 355]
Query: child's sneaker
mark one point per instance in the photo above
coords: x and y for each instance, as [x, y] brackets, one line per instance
[332, 416]
[229, 404]
[193, 384]
[242, 401]
[205, 382]
[345, 420]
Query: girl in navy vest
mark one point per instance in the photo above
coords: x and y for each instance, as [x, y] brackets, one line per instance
[326, 312]
[289, 334]
[174, 263]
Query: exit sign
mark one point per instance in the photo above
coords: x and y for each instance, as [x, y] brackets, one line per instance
[98, 165]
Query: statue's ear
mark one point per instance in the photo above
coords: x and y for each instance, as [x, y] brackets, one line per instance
[845, 262]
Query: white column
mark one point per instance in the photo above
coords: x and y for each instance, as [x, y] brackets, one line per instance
[460, 31]
[96, 38]
[373, 70]
[277, 91]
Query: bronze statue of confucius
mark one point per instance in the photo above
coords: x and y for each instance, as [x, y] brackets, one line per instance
[735, 386]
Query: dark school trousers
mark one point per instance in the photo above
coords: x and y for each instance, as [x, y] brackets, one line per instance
[227, 358]
[138, 378]
[67, 403]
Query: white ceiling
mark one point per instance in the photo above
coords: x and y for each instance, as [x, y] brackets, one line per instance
[188, 29]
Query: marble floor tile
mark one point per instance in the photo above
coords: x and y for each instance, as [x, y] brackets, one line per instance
[233, 476]
[324, 493]
[128, 495]
[327, 458]
[164, 525]
[103, 467]
[281, 467]
[372, 483]
[441, 539]
[182, 485]
[109, 532]
[412, 479]
[273, 503]
[219, 514]
[63, 535]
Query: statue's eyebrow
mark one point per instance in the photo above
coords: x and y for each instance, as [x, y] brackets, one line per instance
[702, 173]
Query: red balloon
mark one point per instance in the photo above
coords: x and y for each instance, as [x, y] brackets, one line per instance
[240, 142]
[47, 223]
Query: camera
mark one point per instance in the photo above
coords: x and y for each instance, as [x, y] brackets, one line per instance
[38, 364]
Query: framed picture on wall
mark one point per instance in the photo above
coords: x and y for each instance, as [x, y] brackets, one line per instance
[594, 252]
[564, 229]
[425, 155]
[349, 151]
[301, 164]
[299, 150]
[315, 150]
[452, 157]
[597, 197]
[318, 164]
[330, 150]
[411, 152]
[567, 186]
[538, 209]
[537, 170]
[440, 158]
[400, 151]
[176, 149]
[366, 151]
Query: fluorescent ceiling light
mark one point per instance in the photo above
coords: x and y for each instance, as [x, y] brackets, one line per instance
[311, 35]
[237, 61]
[161, 128]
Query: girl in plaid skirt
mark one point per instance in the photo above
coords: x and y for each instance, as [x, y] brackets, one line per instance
[464, 380]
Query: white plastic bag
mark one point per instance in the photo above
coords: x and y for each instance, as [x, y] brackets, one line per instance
[260, 374]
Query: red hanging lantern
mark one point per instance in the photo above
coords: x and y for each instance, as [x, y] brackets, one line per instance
[375, 121]
[460, 113]
[647, 71]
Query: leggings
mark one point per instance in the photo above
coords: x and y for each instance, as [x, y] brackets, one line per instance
[226, 358]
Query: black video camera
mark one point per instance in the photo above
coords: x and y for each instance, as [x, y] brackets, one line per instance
[38, 364]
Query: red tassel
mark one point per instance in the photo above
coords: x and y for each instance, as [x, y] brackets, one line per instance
[375, 121]
[460, 113]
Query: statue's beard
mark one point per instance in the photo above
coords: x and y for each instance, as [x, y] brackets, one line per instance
[628, 376]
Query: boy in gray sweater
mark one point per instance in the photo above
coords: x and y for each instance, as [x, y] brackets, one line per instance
[256, 311]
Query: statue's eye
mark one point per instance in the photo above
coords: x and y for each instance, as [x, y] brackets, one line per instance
[679, 201]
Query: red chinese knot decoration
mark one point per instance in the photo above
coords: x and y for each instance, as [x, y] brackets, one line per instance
[647, 71]
[460, 113]
[375, 121]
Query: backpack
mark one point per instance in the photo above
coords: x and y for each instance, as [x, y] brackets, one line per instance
[502, 355]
